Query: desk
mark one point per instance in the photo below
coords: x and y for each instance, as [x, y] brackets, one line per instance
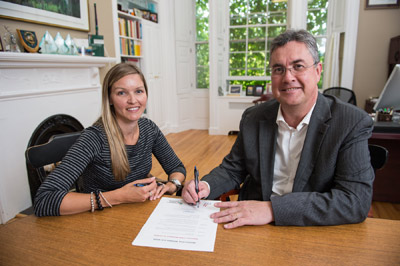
[104, 237]
[387, 180]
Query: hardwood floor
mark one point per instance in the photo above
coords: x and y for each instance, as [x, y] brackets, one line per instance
[197, 148]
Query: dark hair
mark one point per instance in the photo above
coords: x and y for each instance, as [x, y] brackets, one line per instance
[298, 36]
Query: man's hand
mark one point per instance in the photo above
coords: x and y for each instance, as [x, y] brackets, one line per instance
[239, 213]
[189, 194]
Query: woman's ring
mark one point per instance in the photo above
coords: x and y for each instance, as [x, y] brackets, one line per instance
[150, 193]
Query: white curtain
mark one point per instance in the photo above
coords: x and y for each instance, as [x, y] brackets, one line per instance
[331, 71]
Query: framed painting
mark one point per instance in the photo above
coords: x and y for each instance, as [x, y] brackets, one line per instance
[71, 14]
[377, 4]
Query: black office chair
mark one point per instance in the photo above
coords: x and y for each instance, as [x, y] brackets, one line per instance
[379, 156]
[343, 94]
[44, 157]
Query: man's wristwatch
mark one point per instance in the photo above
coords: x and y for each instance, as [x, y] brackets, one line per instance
[177, 183]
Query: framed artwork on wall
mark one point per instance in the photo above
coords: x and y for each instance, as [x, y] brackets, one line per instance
[378, 4]
[65, 14]
[1, 46]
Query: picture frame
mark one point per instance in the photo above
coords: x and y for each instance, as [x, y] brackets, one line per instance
[259, 90]
[379, 4]
[250, 90]
[235, 89]
[1, 46]
[77, 19]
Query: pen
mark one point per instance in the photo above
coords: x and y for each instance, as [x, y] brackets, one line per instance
[145, 184]
[196, 184]
[141, 184]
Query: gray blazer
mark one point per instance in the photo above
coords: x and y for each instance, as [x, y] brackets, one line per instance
[333, 182]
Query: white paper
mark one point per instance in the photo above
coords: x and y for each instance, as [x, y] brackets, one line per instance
[177, 225]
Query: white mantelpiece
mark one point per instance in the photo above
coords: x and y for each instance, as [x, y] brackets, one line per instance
[34, 87]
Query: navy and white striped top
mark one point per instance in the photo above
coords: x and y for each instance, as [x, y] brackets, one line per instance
[90, 158]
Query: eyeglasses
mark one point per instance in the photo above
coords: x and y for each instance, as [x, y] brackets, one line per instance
[297, 69]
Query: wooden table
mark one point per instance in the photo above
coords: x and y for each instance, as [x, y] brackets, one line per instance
[105, 238]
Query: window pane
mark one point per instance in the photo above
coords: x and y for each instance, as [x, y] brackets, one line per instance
[256, 45]
[317, 4]
[203, 78]
[202, 14]
[256, 33]
[237, 60]
[238, 20]
[238, 7]
[316, 22]
[256, 60]
[237, 34]
[274, 31]
[257, 6]
[277, 18]
[281, 6]
[202, 54]
[257, 19]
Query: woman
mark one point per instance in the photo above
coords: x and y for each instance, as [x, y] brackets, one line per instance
[114, 155]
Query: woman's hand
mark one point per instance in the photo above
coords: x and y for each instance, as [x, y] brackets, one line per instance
[137, 191]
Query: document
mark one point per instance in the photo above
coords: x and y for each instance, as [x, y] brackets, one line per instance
[177, 225]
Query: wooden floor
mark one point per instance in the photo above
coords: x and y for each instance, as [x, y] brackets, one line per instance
[197, 148]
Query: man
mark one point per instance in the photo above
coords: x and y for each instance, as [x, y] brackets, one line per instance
[300, 159]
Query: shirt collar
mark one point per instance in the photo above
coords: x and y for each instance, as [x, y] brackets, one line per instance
[305, 121]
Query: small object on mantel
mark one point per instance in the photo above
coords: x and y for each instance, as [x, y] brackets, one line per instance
[96, 41]
[28, 40]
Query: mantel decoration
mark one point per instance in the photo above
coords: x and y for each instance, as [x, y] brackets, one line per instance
[65, 14]
[28, 40]
[10, 41]
[378, 4]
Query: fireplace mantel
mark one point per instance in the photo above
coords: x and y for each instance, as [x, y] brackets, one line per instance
[34, 87]
[32, 59]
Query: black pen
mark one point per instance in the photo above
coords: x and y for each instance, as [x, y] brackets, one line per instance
[196, 184]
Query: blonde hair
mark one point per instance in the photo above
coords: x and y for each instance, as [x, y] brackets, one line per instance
[119, 159]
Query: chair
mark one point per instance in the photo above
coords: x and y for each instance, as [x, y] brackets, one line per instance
[343, 94]
[379, 157]
[41, 156]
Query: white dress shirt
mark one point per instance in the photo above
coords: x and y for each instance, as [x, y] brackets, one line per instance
[290, 143]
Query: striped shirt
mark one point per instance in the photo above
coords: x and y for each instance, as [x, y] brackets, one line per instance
[90, 158]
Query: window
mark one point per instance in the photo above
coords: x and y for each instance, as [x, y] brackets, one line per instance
[317, 17]
[253, 24]
[202, 53]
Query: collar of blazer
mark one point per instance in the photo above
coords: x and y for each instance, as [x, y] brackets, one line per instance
[315, 134]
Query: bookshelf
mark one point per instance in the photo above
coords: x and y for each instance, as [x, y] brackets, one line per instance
[130, 37]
